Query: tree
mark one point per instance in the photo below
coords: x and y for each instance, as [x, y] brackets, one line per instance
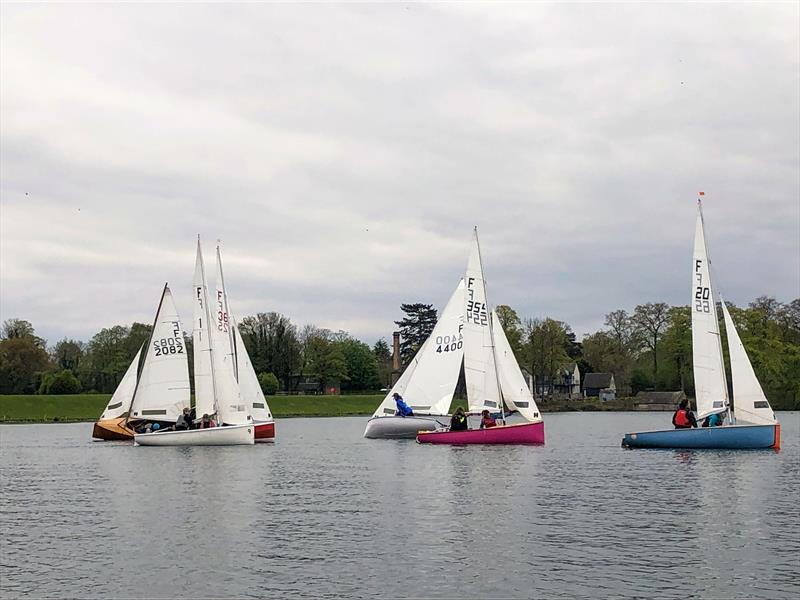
[272, 343]
[649, 321]
[269, 383]
[512, 327]
[640, 382]
[325, 360]
[19, 329]
[384, 358]
[677, 349]
[22, 362]
[67, 354]
[61, 382]
[544, 349]
[415, 328]
[361, 365]
[106, 359]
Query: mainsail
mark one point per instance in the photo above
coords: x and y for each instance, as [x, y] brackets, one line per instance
[204, 385]
[749, 402]
[516, 394]
[162, 391]
[480, 370]
[429, 381]
[711, 389]
[120, 402]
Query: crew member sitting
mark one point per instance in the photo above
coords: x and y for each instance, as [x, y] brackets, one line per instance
[714, 420]
[487, 420]
[403, 409]
[458, 422]
[683, 418]
[207, 422]
[182, 422]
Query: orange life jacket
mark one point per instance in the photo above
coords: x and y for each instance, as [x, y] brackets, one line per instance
[681, 420]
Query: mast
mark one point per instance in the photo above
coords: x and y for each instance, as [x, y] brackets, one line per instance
[491, 332]
[144, 356]
[714, 308]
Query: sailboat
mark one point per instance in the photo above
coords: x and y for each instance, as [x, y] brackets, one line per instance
[429, 381]
[216, 390]
[493, 377]
[160, 391]
[233, 346]
[752, 421]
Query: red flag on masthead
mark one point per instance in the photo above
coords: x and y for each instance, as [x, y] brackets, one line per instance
[702, 193]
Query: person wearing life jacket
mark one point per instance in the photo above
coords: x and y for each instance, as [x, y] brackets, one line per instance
[487, 420]
[403, 409]
[458, 422]
[683, 418]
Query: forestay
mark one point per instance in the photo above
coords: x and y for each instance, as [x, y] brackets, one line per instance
[479, 361]
[516, 394]
[163, 388]
[430, 380]
[120, 402]
[749, 402]
[711, 389]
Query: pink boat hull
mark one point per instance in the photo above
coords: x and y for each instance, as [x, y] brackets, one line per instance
[521, 433]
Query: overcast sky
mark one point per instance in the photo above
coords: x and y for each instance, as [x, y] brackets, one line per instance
[343, 153]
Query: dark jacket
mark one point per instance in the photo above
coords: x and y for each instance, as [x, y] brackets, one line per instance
[459, 423]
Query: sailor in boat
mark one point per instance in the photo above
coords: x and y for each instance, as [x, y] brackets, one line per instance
[207, 422]
[458, 422]
[714, 420]
[183, 420]
[683, 418]
[487, 420]
[403, 409]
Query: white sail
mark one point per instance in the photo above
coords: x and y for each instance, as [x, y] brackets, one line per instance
[163, 388]
[248, 381]
[711, 389]
[428, 383]
[749, 402]
[480, 370]
[231, 407]
[120, 402]
[204, 387]
[516, 394]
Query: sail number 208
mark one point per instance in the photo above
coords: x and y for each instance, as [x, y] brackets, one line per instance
[702, 293]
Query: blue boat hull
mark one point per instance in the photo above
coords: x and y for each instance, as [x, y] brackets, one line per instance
[734, 437]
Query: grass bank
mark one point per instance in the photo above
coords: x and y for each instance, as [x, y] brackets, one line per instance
[87, 407]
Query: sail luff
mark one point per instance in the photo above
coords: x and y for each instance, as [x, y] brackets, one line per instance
[749, 402]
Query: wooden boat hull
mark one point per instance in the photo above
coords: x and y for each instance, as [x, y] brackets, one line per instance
[229, 435]
[731, 437]
[398, 428]
[518, 433]
[264, 431]
[112, 429]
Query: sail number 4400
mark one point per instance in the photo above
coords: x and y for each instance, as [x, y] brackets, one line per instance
[448, 343]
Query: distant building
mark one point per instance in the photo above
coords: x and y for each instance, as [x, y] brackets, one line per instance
[566, 383]
[599, 385]
[310, 386]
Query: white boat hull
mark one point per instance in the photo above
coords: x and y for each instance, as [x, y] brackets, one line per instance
[401, 427]
[229, 435]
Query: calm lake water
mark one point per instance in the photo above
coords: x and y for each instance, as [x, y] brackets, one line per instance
[325, 513]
